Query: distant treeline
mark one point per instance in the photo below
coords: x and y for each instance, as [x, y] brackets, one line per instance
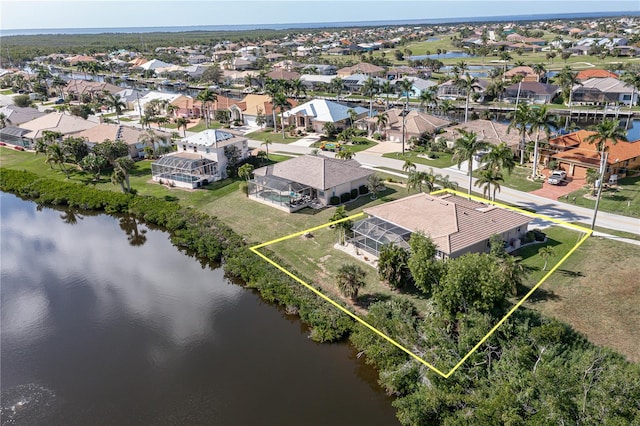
[22, 48]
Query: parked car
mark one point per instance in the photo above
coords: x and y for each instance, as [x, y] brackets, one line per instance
[59, 101]
[557, 177]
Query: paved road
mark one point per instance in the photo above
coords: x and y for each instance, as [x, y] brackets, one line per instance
[545, 206]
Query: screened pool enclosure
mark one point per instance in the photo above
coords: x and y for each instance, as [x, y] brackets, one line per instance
[184, 170]
[373, 233]
[283, 193]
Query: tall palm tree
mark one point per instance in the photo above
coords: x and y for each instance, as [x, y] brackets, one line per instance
[519, 120]
[382, 119]
[182, 122]
[545, 253]
[369, 89]
[632, 78]
[207, 97]
[350, 279]
[58, 83]
[297, 88]
[115, 102]
[468, 84]
[487, 178]
[281, 101]
[353, 116]
[465, 148]
[266, 144]
[505, 57]
[57, 155]
[418, 179]
[345, 154]
[387, 88]
[405, 87]
[338, 85]
[429, 97]
[500, 157]
[539, 69]
[539, 120]
[567, 79]
[608, 131]
[245, 171]
[273, 89]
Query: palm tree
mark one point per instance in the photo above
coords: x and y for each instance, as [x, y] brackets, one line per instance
[266, 144]
[500, 157]
[272, 89]
[632, 78]
[488, 177]
[539, 69]
[382, 120]
[466, 147]
[353, 116]
[405, 87]
[297, 88]
[497, 88]
[115, 102]
[369, 89]
[350, 279]
[59, 83]
[342, 227]
[281, 101]
[182, 122]
[567, 79]
[539, 120]
[4, 120]
[429, 97]
[607, 132]
[207, 97]
[245, 171]
[152, 139]
[469, 85]
[57, 155]
[519, 119]
[408, 165]
[121, 169]
[387, 88]
[337, 85]
[545, 253]
[418, 179]
[505, 57]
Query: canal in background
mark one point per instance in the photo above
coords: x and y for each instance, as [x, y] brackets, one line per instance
[105, 322]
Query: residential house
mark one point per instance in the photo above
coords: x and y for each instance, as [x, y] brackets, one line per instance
[281, 74]
[201, 158]
[531, 91]
[316, 82]
[488, 131]
[77, 59]
[414, 123]
[370, 70]
[16, 115]
[161, 97]
[455, 224]
[419, 85]
[308, 180]
[76, 89]
[596, 91]
[322, 69]
[315, 113]
[187, 107]
[153, 65]
[575, 155]
[126, 134]
[399, 72]
[67, 125]
[585, 75]
[450, 91]
[527, 73]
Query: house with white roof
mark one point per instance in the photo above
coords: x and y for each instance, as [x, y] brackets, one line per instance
[201, 158]
[138, 106]
[317, 112]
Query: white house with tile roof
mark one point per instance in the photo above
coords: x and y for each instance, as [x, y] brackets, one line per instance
[317, 112]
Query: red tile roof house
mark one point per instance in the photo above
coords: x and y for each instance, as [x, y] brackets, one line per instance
[187, 107]
[576, 155]
[456, 225]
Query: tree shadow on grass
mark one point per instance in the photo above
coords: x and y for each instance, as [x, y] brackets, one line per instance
[572, 274]
[533, 249]
[367, 300]
[540, 295]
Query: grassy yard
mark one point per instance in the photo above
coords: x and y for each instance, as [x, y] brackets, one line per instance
[202, 125]
[357, 144]
[518, 180]
[6, 92]
[597, 292]
[442, 160]
[625, 199]
[263, 135]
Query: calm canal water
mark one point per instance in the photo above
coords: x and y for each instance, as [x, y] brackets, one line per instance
[104, 322]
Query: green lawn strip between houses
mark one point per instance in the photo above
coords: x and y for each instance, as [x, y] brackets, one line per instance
[623, 199]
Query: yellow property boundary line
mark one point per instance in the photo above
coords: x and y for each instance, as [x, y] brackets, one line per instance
[586, 231]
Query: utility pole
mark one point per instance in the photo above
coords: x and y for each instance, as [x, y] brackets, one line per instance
[603, 167]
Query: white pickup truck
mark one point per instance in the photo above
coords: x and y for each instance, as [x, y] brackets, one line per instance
[557, 177]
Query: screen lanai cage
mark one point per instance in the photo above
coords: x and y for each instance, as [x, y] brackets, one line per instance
[373, 233]
[185, 172]
[281, 192]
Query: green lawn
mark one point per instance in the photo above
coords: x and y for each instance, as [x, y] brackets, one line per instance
[6, 92]
[518, 180]
[442, 160]
[263, 135]
[358, 144]
[624, 200]
[202, 125]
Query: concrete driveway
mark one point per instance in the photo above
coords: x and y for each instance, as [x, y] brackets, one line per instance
[556, 192]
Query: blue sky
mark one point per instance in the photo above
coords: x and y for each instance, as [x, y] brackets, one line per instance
[26, 14]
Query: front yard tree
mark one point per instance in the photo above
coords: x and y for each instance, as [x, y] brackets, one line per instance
[343, 227]
[393, 265]
[57, 155]
[182, 123]
[519, 120]
[245, 171]
[425, 269]
[207, 97]
[116, 103]
[539, 121]
[374, 185]
[466, 147]
[350, 279]
[545, 253]
[487, 178]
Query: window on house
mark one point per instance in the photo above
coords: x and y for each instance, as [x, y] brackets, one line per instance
[195, 148]
[184, 147]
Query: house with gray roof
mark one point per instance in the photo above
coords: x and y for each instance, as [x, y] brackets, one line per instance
[456, 225]
[596, 91]
[531, 91]
[317, 112]
[16, 115]
[308, 180]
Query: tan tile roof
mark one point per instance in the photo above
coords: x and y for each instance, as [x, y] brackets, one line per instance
[55, 121]
[452, 222]
[487, 131]
[316, 171]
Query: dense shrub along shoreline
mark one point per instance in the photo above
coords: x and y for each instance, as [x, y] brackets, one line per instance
[533, 370]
